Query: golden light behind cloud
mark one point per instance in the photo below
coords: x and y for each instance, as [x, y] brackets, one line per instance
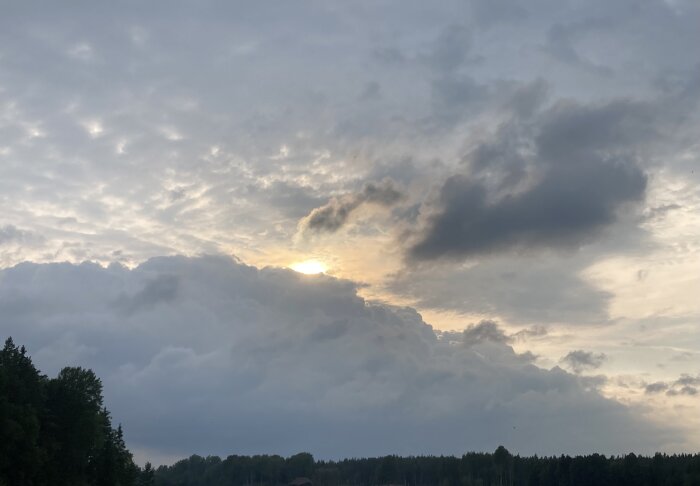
[309, 267]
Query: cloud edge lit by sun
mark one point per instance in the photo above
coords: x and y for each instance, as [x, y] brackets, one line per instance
[309, 267]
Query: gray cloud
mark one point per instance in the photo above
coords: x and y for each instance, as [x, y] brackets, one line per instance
[502, 288]
[561, 43]
[283, 362]
[160, 130]
[451, 49]
[12, 234]
[656, 387]
[332, 216]
[488, 12]
[161, 289]
[290, 199]
[685, 385]
[530, 333]
[660, 212]
[687, 380]
[683, 390]
[484, 331]
[580, 360]
[582, 172]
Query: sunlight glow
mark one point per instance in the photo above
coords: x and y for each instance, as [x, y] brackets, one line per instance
[309, 267]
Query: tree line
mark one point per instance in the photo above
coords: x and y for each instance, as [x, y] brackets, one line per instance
[483, 469]
[57, 431]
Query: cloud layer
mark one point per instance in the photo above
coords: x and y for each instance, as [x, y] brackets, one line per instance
[531, 163]
[209, 355]
[555, 181]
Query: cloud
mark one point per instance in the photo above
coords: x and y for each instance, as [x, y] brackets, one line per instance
[451, 48]
[161, 134]
[655, 387]
[181, 119]
[556, 183]
[502, 288]
[333, 215]
[12, 234]
[484, 331]
[660, 212]
[684, 390]
[685, 385]
[213, 356]
[162, 288]
[290, 199]
[488, 12]
[580, 360]
[533, 332]
[561, 39]
[687, 380]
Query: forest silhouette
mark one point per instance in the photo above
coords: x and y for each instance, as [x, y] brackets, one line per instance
[57, 431]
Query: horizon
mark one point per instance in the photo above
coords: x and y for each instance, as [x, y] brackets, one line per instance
[418, 228]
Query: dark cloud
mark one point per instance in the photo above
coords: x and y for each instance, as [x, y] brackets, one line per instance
[331, 217]
[484, 331]
[685, 385]
[684, 390]
[527, 98]
[533, 332]
[656, 387]
[489, 331]
[580, 360]
[575, 134]
[283, 362]
[582, 172]
[161, 289]
[687, 380]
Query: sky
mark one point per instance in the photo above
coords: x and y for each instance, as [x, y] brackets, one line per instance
[359, 228]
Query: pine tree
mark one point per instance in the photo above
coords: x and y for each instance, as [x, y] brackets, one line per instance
[20, 407]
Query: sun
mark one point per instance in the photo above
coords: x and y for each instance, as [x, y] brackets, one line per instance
[309, 267]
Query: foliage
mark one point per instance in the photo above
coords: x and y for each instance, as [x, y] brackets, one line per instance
[57, 431]
[472, 469]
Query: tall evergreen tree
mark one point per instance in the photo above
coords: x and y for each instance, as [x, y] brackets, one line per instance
[21, 402]
[56, 431]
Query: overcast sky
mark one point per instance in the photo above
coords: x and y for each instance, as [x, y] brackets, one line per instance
[502, 194]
